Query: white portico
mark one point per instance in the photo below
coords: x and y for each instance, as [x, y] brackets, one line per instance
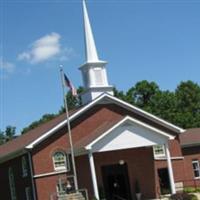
[129, 133]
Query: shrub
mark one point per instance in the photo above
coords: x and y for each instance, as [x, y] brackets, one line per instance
[189, 190]
[183, 196]
[198, 189]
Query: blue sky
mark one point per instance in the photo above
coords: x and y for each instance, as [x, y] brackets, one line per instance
[153, 40]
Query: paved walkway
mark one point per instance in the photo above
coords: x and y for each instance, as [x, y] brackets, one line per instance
[198, 195]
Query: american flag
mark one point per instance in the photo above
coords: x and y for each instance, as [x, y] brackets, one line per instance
[70, 86]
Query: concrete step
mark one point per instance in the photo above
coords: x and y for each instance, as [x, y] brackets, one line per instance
[72, 196]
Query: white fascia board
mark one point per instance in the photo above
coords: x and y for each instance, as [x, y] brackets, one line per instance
[127, 118]
[163, 122]
[60, 125]
[88, 106]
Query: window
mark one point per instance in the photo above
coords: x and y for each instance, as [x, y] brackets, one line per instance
[60, 161]
[12, 184]
[159, 151]
[28, 193]
[196, 168]
[24, 167]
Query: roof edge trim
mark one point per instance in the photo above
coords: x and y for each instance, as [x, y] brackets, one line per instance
[180, 130]
[89, 105]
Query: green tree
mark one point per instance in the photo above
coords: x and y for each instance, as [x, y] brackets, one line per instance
[142, 93]
[188, 104]
[2, 137]
[43, 119]
[72, 101]
[119, 94]
[163, 105]
[10, 132]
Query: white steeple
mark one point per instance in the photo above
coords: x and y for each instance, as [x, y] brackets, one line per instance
[93, 71]
[90, 47]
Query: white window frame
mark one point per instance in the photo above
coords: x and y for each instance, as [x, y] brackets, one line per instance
[66, 162]
[24, 167]
[28, 193]
[12, 184]
[60, 190]
[156, 154]
[197, 169]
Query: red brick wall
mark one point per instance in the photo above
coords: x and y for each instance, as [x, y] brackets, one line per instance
[84, 175]
[140, 166]
[20, 182]
[190, 154]
[175, 149]
[46, 186]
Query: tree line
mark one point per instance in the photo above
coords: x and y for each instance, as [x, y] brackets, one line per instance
[180, 107]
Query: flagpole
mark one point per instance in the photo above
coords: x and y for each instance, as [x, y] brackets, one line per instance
[69, 131]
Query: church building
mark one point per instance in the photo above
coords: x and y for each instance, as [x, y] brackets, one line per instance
[119, 149]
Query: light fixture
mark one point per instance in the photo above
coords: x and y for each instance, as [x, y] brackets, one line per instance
[121, 162]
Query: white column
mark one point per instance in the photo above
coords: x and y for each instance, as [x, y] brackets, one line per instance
[170, 170]
[93, 173]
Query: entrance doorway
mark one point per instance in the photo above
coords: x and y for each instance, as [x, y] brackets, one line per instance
[116, 182]
[164, 181]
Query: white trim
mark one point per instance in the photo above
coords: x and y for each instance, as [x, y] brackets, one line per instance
[66, 161]
[24, 166]
[196, 161]
[12, 184]
[50, 173]
[89, 146]
[156, 155]
[60, 125]
[28, 193]
[170, 169]
[146, 113]
[93, 174]
[95, 101]
[172, 158]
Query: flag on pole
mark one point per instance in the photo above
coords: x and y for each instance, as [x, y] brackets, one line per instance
[70, 85]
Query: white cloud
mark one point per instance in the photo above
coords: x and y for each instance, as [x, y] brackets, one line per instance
[6, 66]
[45, 48]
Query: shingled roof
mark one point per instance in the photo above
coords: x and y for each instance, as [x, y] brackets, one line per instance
[22, 141]
[191, 137]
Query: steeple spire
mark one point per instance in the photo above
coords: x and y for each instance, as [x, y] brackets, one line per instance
[91, 52]
[93, 71]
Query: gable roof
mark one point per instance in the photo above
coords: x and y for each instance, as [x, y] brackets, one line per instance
[22, 141]
[191, 137]
[39, 134]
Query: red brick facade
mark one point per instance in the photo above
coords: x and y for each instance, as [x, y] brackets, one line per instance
[190, 154]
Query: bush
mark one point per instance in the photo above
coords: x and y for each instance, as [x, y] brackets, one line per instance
[183, 196]
[198, 189]
[189, 190]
